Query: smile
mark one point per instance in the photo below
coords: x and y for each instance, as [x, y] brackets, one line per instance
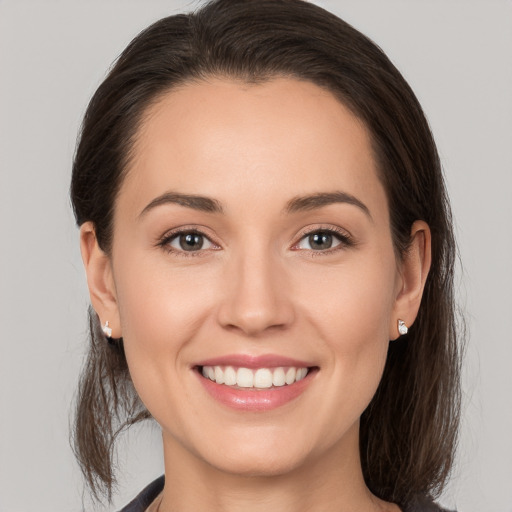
[255, 383]
[261, 378]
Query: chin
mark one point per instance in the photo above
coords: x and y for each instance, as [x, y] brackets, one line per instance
[260, 466]
[258, 457]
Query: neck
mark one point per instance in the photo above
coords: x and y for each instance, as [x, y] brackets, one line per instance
[332, 481]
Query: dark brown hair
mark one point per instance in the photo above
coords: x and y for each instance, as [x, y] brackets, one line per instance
[409, 430]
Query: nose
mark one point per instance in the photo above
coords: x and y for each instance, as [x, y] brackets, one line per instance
[257, 295]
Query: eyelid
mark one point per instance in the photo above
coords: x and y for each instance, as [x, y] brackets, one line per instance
[343, 236]
[177, 236]
[168, 236]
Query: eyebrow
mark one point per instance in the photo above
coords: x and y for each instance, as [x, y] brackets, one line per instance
[321, 199]
[295, 205]
[201, 203]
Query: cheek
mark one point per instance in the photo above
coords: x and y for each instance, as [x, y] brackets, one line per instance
[350, 309]
[160, 303]
[351, 303]
[161, 311]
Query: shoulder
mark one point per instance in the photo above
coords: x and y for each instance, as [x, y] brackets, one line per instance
[424, 505]
[145, 497]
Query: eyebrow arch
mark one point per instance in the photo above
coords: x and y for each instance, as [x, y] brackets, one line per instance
[297, 204]
[321, 199]
[201, 203]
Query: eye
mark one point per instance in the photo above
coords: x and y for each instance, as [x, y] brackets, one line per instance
[323, 240]
[187, 241]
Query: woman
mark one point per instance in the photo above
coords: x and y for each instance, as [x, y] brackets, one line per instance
[269, 255]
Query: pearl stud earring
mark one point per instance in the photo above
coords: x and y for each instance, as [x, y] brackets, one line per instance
[402, 328]
[107, 331]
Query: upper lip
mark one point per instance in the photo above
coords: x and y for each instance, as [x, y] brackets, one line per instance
[254, 362]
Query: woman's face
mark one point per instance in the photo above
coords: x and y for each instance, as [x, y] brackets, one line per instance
[252, 243]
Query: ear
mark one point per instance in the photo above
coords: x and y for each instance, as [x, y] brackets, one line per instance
[413, 275]
[100, 279]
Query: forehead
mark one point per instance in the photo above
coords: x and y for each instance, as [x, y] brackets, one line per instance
[272, 140]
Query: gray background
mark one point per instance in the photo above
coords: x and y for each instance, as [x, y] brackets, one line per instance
[457, 56]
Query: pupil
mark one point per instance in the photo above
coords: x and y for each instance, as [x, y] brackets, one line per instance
[191, 242]
[320, 241]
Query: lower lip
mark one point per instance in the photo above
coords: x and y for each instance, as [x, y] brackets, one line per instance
[252, 399]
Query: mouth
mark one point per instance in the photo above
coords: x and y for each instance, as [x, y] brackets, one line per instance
[255, 384]
[250, 378]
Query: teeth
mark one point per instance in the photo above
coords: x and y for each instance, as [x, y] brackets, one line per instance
[218, 375]
[244, 378]
[301, 373]
[279, 378]
[290, 376]
[262, 378]
[229, 376]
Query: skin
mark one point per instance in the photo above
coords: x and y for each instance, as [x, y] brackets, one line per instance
[256, 287]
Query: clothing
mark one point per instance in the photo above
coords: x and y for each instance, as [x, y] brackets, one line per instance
[144, 499]
[149, 494]
[424, 505]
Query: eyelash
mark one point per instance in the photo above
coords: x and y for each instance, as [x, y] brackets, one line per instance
[346, 241]
[165, 241]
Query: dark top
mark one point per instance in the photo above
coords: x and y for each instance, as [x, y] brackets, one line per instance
[145, 497]
[148, 495]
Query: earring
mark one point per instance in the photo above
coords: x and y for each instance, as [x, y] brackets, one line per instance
[107, 331]
[402, 328]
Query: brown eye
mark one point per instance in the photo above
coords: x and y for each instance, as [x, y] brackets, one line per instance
[189, 241]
